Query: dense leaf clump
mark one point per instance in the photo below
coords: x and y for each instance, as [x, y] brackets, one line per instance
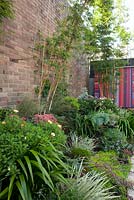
[28, 158]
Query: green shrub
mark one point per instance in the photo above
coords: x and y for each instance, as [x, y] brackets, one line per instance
[113, 139]
[93, 104]
[28, 159]
[79, 152]
[65, 105]
[131, 119]
[53, 132]
[102, 119]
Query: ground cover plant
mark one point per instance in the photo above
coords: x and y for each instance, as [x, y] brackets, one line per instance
[109, 163]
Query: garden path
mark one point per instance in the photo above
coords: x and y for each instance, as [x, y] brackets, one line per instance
[131, 179]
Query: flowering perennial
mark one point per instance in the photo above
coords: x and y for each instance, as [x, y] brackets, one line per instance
[46, 118]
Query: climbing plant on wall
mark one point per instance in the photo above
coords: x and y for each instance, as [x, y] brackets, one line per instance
[5, 9]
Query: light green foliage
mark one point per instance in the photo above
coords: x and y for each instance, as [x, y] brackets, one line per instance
[89, 186]
[65, 105]
[108, 162]
[101, 118]
[73, 102]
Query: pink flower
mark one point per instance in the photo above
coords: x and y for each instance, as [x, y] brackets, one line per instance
[45, 118]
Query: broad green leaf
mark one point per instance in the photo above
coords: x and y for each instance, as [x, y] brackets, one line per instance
[29, 193]
[20, 190]
[23, 167]
[43, 174]
[23, 185]
[39, 174]
[29, 167]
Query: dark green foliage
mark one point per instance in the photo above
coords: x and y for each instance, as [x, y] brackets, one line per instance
[130, 118]
[59, 98]
[113, 139]
[28, 159]
[102, 120]
[4, 112]
[94, 104]
[66, 112]
[59, 139]
[89, 113]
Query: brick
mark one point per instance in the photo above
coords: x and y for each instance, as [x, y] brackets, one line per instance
[17, 77]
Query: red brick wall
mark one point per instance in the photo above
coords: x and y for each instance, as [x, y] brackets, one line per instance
[17, 66]
[78, 76]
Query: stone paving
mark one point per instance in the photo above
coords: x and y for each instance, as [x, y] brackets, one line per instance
[131, 179]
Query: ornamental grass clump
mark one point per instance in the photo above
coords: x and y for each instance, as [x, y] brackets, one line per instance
[88, 186]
